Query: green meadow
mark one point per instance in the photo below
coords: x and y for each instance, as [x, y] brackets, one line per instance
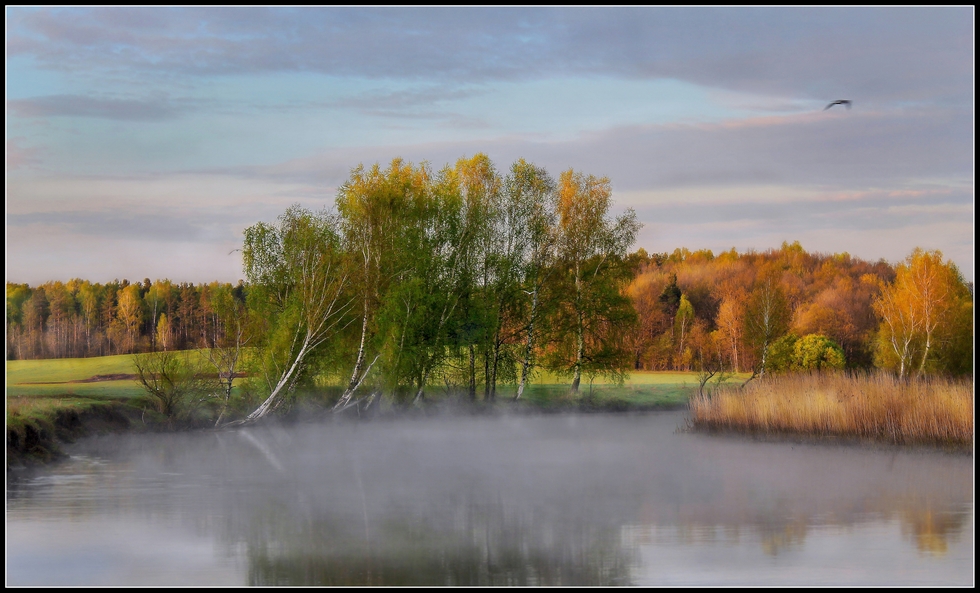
[71, 379]
[62, 376]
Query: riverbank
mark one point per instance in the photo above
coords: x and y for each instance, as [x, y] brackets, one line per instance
[39, 426]
[876, 407]
[53, 402]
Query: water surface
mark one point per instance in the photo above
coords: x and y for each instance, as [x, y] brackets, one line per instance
[512, 500]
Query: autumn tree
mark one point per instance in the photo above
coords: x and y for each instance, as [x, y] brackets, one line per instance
[644, 290]
[767, 315]
[129, 318]
[18, 296]
[592, 249]
[918, 312]
[731, 324]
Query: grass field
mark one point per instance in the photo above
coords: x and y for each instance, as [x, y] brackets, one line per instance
[63, 377]
[58, 376]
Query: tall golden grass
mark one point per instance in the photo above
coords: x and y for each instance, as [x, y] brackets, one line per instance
[878, 406]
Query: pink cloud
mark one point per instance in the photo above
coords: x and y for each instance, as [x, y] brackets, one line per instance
[20, 156]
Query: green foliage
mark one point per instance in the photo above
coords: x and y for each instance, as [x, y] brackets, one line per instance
[812, 352]
[299, 279]
[954, 354]
[683, 319]
[17, 295]
[670, 298]
[782, 354]
[176, 382]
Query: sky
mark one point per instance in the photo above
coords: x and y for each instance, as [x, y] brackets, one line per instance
[141, 142]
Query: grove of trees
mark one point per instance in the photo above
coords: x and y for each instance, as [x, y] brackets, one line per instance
[793, 305]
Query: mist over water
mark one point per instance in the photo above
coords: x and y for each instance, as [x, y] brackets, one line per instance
[490, 500]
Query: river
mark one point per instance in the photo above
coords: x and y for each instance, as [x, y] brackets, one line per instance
[591, 499]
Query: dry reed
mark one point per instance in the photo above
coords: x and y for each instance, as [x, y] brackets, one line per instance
[878, 406]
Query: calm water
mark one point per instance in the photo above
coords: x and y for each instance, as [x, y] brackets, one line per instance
[542, 500]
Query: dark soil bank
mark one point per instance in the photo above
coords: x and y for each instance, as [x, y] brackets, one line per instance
[36, 442]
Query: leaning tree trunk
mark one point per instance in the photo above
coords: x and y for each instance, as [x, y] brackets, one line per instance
[357, 376]
[285, 380]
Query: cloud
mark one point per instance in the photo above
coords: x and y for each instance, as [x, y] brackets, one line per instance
[36, 258]
[879, 210]
[400, 101]
[20, 156]
[953, 237]
[156, 226]
[88, 106]
[853, 151]
[867, 54]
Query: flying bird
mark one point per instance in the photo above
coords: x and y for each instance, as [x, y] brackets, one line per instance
[843, 102]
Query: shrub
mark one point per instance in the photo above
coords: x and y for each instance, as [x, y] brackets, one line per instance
[812, 352]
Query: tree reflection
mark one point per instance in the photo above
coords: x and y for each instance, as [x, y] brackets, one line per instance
[483, 547]
[930, 529]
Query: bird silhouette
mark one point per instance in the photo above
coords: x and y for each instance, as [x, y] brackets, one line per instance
[843, 102]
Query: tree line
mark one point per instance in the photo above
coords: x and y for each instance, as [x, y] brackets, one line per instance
[467, 278]
[80, 318]
[785, 309]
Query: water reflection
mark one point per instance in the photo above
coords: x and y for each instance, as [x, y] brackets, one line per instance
[932, 530]
[578, 500]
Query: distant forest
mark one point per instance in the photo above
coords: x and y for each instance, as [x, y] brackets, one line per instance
[684, 301]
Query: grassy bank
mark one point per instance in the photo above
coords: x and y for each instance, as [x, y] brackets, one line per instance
[878, 407]
[37, 424]
[49, 402]
[79, 379]
[57, 400]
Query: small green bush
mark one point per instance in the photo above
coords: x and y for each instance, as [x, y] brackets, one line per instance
[812, 352]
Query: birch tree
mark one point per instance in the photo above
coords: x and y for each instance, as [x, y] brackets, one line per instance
[767, 316]
[376, 208]
[592, 248]
[449, 221]
[531, 213]
[298, 283]
[917, 309]
[486, 267]
[731, 322]
[682, 325]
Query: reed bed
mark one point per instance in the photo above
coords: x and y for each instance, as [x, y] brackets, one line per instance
[877, 406]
